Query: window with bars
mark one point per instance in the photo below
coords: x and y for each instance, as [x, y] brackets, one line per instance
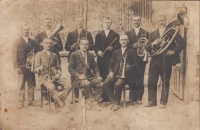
[142, 8]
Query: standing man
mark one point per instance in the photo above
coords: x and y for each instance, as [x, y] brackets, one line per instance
[45, 34]
[73, 38]
[21, 47]
[134, 35]
[124, 57]
[162, 64]
[106, 42]
[84, 71]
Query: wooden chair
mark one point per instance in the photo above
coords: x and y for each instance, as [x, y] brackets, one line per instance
[124, 93]
[43, 91]
[80, 94]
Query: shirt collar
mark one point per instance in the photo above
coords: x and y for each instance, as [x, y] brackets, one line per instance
[26, 39]
[79, 30]
[107, 30]
[47, 52]
[136, 28]
[82, 52]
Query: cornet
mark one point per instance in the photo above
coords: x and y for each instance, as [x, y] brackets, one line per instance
[123, 66]
[30, 61]
[142, 51]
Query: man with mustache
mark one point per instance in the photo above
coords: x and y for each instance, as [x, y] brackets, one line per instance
[162, 64]
[115, 68]
[44, 60]
[21, 47]
[136, 92]
[46, 33]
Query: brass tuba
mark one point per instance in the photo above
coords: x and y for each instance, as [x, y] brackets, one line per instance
[58, 28]
[123, 66]
[170, 34]
[30, 60]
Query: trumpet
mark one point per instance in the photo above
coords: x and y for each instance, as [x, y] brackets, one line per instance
[123, 66]
[30, 60]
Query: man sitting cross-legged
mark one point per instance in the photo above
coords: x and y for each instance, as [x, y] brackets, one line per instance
[121, 70]
[84, 71]
[49, 77]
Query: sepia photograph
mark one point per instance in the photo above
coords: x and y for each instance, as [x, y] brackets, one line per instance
[99, 65]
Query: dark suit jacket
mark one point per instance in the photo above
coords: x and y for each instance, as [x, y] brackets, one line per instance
[134, 39]
[72, 38]
[77, 64]
[42, 35]
[102, 42]
[20, 51]
[131, 60]
[173, 59]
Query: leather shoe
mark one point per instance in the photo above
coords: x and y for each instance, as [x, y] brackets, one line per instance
[33, 103]
[115, 108]
[151, 104]
[134, 103]
[162, 106]
[139, 102]
[110, 107]
[46, 102]
[20, 105]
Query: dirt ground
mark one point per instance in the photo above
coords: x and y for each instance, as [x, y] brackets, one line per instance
[177, 116]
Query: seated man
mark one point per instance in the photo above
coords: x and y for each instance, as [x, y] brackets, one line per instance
[43, 60]
[84, 71]
[119, 74]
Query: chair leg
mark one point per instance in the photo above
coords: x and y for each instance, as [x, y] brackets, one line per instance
[124, 95]
[49, 97]
[41, 98]
[72, 96]
[80, 94]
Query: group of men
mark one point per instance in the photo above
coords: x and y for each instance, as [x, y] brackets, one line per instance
[118, 63]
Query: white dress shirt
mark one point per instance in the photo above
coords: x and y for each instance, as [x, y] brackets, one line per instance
[79, 30]
[161, 31]
[47, 52]
[25, 39]
[123, 49]
[48, 32]
[85, 56]
[136, 30]
[106, 32]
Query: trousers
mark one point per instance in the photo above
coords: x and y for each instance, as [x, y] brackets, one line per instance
[60, 100]
[92, 87]
[28, 77]
[164, 70]
[113, 87]
[137, 90]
